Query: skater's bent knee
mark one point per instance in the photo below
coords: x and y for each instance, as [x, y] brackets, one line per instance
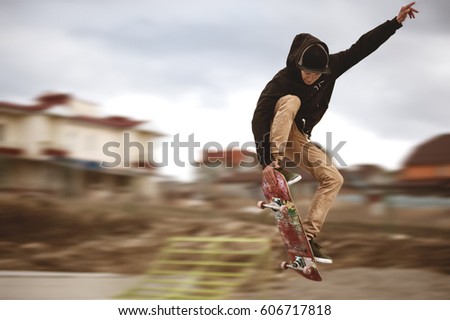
[334, 180]
[339, 180]
[293, 99]
[288, 103]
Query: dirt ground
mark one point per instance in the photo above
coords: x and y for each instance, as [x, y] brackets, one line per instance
[54, 235]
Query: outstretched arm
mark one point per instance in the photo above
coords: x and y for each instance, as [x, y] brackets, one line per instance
[407, 11]
[370, 41]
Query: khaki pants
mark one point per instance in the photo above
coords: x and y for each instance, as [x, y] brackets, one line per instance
[287, 140]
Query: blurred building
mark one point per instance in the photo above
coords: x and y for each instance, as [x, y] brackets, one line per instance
[427, 169]
[366, 178]
[229, 173]
[236, 173]
[60, 145]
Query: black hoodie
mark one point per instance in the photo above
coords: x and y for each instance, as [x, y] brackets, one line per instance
[314, 98]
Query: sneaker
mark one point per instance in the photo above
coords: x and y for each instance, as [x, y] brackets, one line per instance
[290, 177]
[319, 255]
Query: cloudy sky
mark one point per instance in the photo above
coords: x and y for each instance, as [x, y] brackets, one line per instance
[197, 67]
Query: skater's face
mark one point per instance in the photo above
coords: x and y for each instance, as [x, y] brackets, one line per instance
[309, 77]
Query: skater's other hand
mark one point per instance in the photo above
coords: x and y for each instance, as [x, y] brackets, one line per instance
[407, 11]
[269, 175]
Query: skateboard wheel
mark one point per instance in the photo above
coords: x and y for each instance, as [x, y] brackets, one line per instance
[307, 270]
[283, 265]
[260, 204]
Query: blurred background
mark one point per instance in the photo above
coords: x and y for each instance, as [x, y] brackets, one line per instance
[167, 90]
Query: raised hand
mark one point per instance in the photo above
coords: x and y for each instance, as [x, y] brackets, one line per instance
[407, 11]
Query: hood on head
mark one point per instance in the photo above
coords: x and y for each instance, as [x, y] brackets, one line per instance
[301, 42]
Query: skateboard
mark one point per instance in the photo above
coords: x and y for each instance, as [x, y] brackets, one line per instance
[289, 223]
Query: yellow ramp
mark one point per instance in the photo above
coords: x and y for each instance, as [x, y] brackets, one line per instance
[189, 268]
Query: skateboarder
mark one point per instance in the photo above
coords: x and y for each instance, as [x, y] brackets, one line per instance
[295, 100]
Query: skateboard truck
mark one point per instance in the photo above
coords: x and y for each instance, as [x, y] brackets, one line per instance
[302, 264]
[275, 205]
[278, 210]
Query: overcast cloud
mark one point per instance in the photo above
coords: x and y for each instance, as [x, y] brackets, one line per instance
[214, 57]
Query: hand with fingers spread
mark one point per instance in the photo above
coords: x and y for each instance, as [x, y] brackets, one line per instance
[407, 11]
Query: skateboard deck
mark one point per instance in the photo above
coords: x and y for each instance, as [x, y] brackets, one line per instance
[289, 223]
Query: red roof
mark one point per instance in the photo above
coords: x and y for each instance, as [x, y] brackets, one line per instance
[18, 107]
[435, 151]
[48, 101]
[121, 122]
[54, 98]
[45, 101]
[54, 152]
[11, 151]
